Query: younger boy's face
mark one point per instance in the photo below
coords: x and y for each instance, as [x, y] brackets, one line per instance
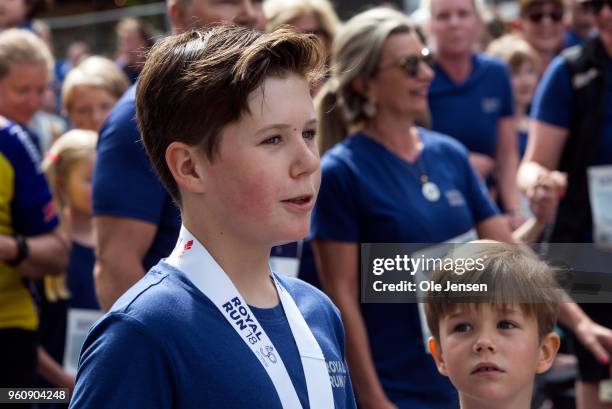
[492, 355]
[263, 181]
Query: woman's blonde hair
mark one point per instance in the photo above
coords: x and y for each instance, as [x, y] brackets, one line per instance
[94, 71]
[355, 54]
[68, 151]
[20, 47]
[514, 51]
[281, 12]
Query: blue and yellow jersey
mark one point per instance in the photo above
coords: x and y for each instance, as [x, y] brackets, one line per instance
[26, 208]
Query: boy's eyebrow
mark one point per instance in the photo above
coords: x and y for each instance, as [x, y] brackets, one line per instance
[312, 121]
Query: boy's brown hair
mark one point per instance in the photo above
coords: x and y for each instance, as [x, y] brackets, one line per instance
[196, 83]
[513, 275]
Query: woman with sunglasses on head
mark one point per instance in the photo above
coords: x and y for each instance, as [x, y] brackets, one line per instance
[571, 132]
[388, 181]
[471, 99]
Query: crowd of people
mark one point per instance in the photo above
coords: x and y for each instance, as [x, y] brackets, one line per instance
[446, 126]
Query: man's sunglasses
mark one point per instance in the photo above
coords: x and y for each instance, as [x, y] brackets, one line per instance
[597, 5]
[537, 16]
[411, 64]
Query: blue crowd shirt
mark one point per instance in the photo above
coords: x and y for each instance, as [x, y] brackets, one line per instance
[26, 208]
[125, 184]
[554, 102]
[80, 277]
[470, 112]
[370, 195]
[165, 344]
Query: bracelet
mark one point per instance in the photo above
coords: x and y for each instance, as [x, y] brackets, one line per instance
[23, 251]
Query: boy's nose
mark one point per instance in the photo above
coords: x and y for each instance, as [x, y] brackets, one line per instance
[306, 160]
[483, 345]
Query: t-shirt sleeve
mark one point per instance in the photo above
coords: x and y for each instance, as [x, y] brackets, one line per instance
[335, 216]
[554, 96]
[122, 365]
[124, 182]
[32, 208]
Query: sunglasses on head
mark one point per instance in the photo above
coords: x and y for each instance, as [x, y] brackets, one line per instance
[597, 5]
[537, 16]
[411, 64]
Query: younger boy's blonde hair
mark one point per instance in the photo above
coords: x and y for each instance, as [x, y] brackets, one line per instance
[94, 71]
[513, 276]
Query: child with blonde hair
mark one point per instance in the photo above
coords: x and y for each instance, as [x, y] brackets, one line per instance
[68, 167]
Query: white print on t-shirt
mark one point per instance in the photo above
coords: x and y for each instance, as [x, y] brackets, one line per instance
[337, 374]
[582, 79]
[455, 198]
[490, 105]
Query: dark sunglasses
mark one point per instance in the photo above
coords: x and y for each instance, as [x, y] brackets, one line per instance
[597, 5]
[538, 16]
[411, 64]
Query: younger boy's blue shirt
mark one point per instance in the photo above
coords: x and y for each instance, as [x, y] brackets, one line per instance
[470, 111]
[165, 345]
[125, 184]
[553, 104]
[370, 195]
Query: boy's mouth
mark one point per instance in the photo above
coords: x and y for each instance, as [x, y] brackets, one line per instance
[487, 368]
[300, 203]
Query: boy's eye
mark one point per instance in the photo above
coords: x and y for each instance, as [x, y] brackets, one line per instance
[309, 135]
[506, 325]
[273, 140]
[463, 327]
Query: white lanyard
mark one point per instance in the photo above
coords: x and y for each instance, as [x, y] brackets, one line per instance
[195, 261]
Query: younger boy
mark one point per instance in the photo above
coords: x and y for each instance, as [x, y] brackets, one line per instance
[492, 343]
[227, 119]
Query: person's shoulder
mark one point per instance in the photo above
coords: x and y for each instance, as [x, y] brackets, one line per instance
[491, 62]
[121, 122]
[16, 142]
[442, 143]
[156, 301]
[309, 299]
[343, 155]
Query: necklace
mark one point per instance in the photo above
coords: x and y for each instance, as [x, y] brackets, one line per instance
[429, 189]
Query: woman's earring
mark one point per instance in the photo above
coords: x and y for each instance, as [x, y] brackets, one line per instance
[369, 108]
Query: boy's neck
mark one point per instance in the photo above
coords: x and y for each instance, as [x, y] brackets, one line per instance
[521, 400]
[246, 265]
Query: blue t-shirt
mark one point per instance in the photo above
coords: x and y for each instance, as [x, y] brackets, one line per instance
[470, 112]
[165, 345]
[553, 104]
[125, 184]
[370, 195]
[80, 277]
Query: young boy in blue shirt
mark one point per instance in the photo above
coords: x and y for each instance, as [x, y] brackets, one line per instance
[492, 343]
[228, 121]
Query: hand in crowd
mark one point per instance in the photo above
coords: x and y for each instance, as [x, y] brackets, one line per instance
[377, 404]
[596, 338]
[544, 196]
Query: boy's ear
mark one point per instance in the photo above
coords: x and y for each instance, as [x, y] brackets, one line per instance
[186, 163]
[548, 352]
[436, 353]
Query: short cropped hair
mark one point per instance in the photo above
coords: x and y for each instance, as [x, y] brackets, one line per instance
[513, 275]
[94, 71]
[21, 47]
[196, 83]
